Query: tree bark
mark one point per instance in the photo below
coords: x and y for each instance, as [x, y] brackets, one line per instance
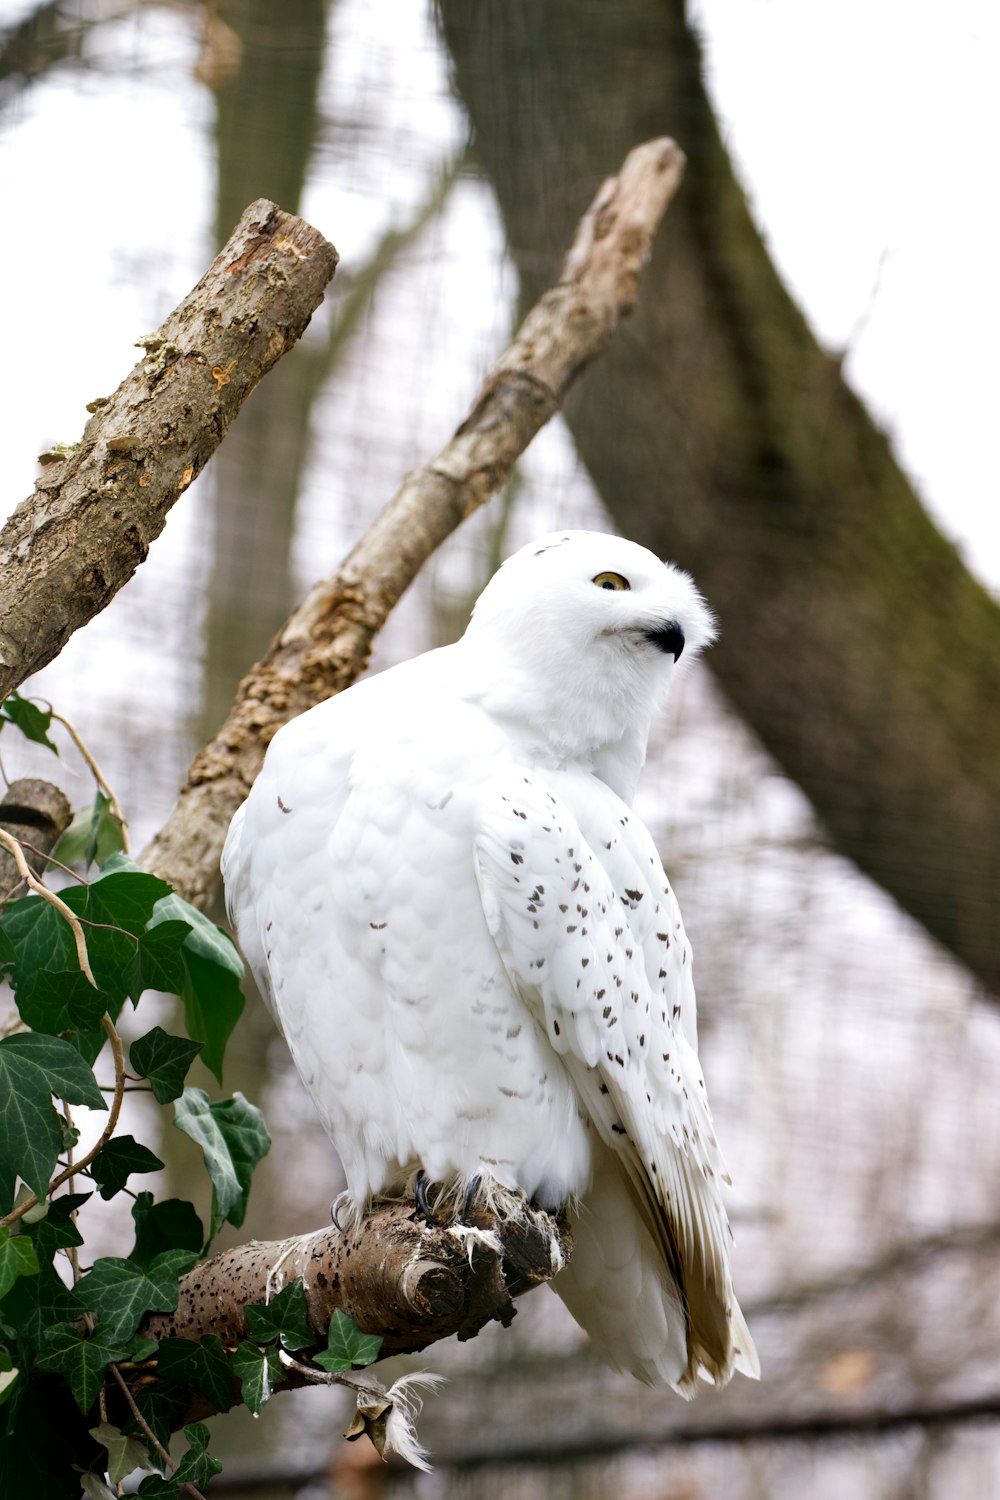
[68, 549]
[854, 641]
[326, 643]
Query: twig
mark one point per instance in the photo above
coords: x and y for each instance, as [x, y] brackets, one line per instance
[148, 1431]
[330, 1377]
[49, 860]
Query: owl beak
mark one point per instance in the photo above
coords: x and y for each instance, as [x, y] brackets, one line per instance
[668, 637]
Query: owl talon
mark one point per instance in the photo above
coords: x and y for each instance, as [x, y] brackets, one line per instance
[423, 1202]
[335, 1208]
[471, 1194]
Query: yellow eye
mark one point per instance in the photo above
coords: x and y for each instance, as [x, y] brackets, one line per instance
[611, 581]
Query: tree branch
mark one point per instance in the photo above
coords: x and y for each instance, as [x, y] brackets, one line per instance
[326, 642]
[35, 813]
[411, 1282]
[69, 548]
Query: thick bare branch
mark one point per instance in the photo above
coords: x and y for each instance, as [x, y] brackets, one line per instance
[326, 642]
[35, 813]
[68, 548]
[408, 1281]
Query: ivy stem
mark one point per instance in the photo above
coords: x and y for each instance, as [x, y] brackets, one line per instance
[71, 1250]
[98, 775]
[148, 1431]
[331, 1377]
[80, 879]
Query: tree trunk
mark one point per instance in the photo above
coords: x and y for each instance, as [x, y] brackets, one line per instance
[264, 66]
[854, 641]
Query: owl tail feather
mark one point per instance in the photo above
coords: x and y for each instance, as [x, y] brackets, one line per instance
[620, 1288]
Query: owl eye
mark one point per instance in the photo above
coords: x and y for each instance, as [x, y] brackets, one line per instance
[611, 581]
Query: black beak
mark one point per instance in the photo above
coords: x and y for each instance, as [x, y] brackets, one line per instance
[668, 637]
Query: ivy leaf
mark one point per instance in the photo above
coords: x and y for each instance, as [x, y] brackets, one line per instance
[258, 1371]
[164, 1060]
[203, 1364]
[214, 1377]
[285, 1316]
[127, 894]
[122, 1156]
[55, 1228]
[213, 1000]
[80, 1359]
[194, 1115]
[124, 1453]
[60, 1000]
[249, 1141]
[113, 910]
[39, 936]
[34, 1303]
[170, 1225]
[72, 842]
[32, 721]
[17, 1258]
[347, 1346]
[197, 1467]
[233, 1139]
[32, 1069]
[94, 835]
[160, 959]
[89, 1043]
[119, 1292]
[105, 834]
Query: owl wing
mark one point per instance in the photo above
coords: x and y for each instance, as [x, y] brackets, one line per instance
[591, 937]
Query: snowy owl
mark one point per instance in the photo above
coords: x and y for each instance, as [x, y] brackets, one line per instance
[467, 938]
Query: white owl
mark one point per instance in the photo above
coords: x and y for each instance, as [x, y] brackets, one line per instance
[468, 940]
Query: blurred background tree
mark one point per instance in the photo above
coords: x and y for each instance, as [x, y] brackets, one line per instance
[852, 1060]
